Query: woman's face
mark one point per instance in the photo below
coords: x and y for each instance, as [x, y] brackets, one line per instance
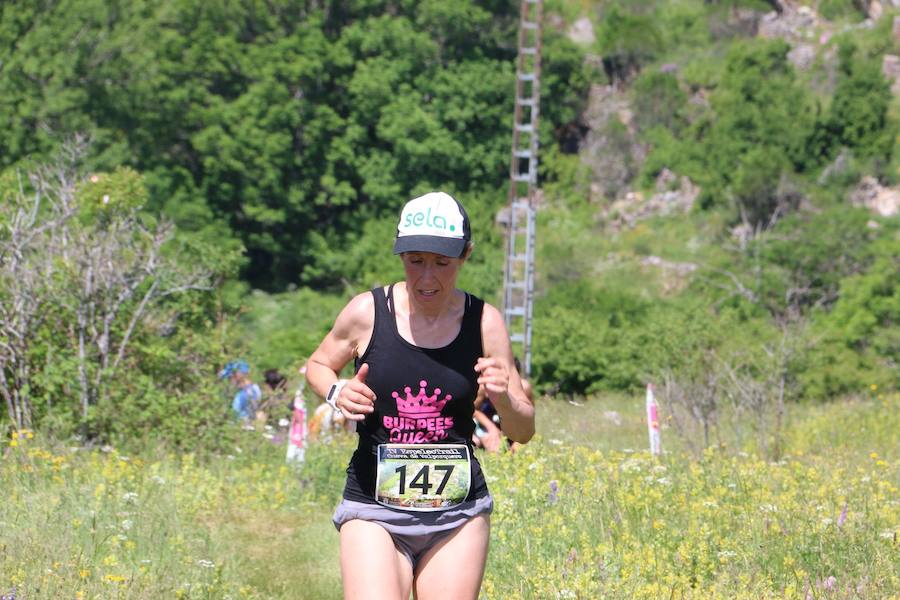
[430, 278]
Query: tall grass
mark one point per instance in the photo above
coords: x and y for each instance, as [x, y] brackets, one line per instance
[576, 516]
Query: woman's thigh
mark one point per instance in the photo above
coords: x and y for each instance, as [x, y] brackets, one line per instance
[455, 566]
[371, 566]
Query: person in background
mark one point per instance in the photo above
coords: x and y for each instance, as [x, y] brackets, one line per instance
[487, 435]
[246, 400]
[276, 400]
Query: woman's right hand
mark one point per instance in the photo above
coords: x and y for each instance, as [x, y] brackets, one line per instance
[356, 399]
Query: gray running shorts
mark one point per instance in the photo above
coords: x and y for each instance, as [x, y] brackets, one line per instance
[413, 532]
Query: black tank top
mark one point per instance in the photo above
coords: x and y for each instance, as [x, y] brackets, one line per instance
[423, 395]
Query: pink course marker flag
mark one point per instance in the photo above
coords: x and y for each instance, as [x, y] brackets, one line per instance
[653, 422]
[296, 448]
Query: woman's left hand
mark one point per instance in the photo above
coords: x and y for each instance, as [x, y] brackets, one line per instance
[492, 374]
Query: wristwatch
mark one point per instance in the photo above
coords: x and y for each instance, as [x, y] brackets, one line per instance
[333, 391]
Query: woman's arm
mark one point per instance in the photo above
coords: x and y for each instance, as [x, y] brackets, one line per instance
[501, 381]
[352, 328]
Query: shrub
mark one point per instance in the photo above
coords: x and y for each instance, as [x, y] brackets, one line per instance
[105, 325]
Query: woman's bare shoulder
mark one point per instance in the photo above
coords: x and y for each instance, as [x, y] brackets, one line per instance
[357, 317]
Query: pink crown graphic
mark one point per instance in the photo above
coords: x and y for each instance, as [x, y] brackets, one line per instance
[420, 406]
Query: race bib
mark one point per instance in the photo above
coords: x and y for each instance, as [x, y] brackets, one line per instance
[423, 477]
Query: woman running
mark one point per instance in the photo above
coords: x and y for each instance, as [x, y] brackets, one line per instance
[415, 509]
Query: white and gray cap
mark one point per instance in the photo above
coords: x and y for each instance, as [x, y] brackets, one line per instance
[435, 222]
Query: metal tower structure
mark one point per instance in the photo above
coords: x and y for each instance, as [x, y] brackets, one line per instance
[518, 274]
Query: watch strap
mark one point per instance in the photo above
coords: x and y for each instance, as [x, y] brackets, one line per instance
[333, 392]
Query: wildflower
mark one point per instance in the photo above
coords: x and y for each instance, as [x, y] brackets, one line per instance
[84, 573]
[114, 578]
[843, 517]
[553, 498]
[206, 564]
[724, 555]
[127, 524]
[873, 387]
[887, 535]
[130, 497]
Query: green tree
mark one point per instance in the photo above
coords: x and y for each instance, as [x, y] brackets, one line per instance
[626, 41]
[857, 117]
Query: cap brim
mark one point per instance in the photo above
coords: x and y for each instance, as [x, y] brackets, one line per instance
[452, 247]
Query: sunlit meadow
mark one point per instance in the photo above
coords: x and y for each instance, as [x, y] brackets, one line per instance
[582, 512]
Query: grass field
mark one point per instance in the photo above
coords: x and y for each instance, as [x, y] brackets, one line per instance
[581, 512]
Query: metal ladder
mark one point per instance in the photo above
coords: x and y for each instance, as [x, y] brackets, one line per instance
[518, 274]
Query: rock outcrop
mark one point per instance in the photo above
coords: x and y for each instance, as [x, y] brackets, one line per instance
[883, 201]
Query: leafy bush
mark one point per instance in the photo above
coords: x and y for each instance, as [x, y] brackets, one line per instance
[757, 130]
[627, 41]
[658, 101]
[858, 115]
[105, 325]
[859, 339]
[839, 9]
